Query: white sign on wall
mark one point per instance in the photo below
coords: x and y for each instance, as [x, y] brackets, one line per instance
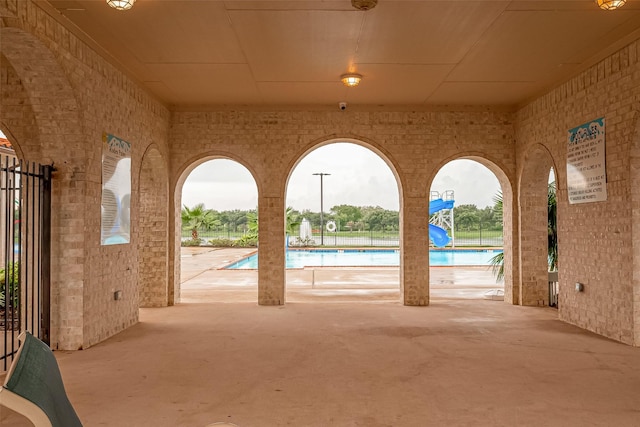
[116, 190]
[586, 168]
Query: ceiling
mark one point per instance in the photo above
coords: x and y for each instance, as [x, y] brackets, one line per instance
[421, 52]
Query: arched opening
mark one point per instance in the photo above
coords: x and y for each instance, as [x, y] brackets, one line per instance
[467, 230]
[552, 239]
[153, 227]
[217, 232]
[533, 207]
[342, 225]
[33, 89]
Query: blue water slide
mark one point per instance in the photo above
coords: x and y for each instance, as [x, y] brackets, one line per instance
[437, 234]
[439, 204]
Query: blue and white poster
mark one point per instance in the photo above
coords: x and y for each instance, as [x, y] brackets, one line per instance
[586, 167]
[116, 191]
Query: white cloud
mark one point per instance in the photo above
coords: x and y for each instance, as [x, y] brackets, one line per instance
[358, 177]
[221, 185]
[472, 183]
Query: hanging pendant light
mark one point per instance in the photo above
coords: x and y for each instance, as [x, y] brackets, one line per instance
[121, 4]
[610, 4]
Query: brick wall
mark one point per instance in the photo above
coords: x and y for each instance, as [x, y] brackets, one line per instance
[75, 95]
[415, 143]
[595, 241]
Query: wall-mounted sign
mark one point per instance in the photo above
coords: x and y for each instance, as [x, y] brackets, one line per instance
[586, 168]
[116, 190]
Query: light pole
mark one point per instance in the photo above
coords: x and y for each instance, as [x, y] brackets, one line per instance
[321, 175]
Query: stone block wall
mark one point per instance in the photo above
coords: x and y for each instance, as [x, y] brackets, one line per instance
[595, 241]
[415, 142]
[75, 95]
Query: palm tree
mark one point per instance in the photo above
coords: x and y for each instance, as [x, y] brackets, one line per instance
[252, 223]
[497, 262]
[552, 226]
[198, 218]
[292, 220]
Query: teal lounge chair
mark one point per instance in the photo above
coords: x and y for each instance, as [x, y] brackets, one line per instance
[33, 387]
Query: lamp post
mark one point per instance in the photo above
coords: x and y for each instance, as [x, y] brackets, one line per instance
[321, 175]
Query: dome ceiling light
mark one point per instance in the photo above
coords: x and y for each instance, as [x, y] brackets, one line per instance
[121, 4]
[367, 4]
[610, 4]
[351, 79]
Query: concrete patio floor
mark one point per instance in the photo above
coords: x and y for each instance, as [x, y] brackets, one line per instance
[458, 362]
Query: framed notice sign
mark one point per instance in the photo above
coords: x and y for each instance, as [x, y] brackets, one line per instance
[586, 168]
[116, 190]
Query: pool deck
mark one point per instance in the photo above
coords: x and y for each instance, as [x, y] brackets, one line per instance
[459, 362]
[204, 280]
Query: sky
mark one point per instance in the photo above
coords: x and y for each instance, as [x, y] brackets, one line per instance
[358, 177]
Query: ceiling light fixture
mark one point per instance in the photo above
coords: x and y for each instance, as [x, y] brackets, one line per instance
[364, 4]
[610, 4]
[121, 4]
[351, 79]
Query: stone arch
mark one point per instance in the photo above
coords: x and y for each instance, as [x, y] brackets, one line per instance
[58, 125]
[509, 215]
[50, 95]
[153, 230]
[182, 172]
[15, 142]
[407, 280]
[532, 204]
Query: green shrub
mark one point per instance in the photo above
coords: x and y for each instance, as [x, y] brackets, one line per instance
[14, 285]
[192, 242]
[220, 243]
[246, 241]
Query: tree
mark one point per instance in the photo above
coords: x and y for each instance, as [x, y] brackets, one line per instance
[250, 238]
[467, 217]
[252, 223]
[497, 206]
[234, 218]
[292, 220]
[198, 218]
[552, 226]
[497, 261]
[347, 215]
[313, 217]
[380, 219]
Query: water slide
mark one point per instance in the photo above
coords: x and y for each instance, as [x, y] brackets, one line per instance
[437, 234]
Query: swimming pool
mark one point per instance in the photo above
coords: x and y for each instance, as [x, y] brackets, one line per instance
[370, 258]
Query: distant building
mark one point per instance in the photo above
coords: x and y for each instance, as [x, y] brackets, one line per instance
[6, 148]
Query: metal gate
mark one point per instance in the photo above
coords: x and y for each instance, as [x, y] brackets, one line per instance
[553, 289]
[25, 249]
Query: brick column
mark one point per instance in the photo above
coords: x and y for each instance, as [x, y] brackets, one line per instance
[414, 254]
[510, 244]
[271, 251]
[153, 227]
[534, 280]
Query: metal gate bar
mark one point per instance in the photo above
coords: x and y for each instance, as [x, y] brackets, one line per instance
[25, 241]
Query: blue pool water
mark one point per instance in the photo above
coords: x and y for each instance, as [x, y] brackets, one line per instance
[370, 258]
